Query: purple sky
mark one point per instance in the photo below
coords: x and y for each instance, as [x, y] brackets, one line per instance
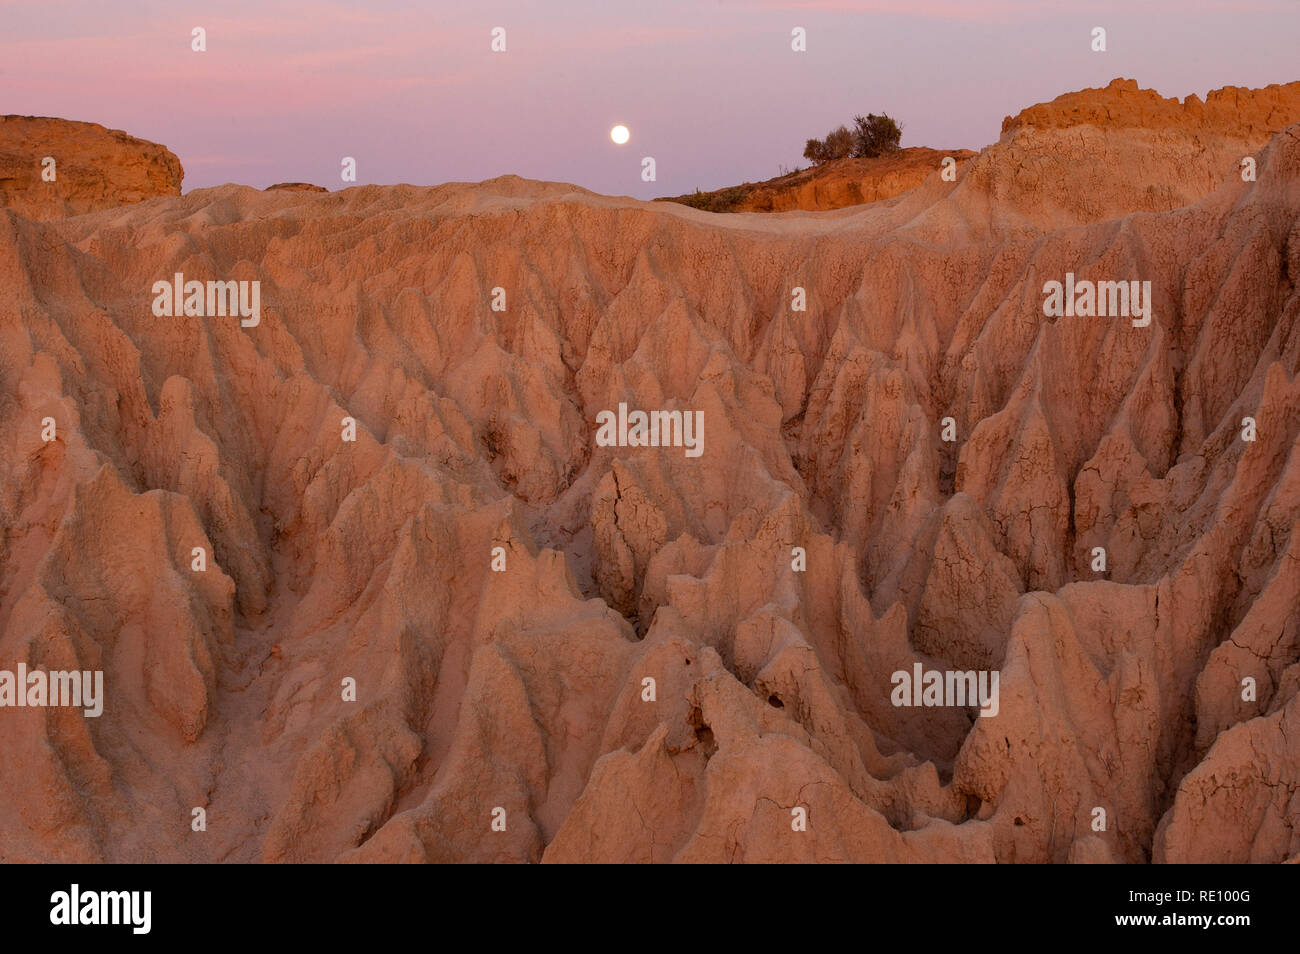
[710, 88]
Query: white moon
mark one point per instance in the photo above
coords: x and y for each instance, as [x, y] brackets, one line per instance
[619, 134]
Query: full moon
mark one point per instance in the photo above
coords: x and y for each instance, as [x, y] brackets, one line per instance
[619, 134]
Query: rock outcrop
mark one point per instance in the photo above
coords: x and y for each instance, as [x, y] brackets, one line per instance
[1100, 154]
[831, 185]
[93, 168]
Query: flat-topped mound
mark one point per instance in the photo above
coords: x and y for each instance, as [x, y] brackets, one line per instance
[93, 167]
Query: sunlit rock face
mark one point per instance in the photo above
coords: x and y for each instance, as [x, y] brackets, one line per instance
[52, 168]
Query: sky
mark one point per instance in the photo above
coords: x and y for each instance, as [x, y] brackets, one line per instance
[711, 89]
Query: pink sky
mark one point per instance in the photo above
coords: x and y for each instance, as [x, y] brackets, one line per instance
[709, 88]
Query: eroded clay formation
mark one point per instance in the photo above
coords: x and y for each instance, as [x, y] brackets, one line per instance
[565, 650]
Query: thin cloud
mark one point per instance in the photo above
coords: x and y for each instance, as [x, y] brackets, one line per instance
[1001, 10]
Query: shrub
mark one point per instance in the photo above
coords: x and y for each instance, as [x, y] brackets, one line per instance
[871, 136]
[839, 143]
[875, 135]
